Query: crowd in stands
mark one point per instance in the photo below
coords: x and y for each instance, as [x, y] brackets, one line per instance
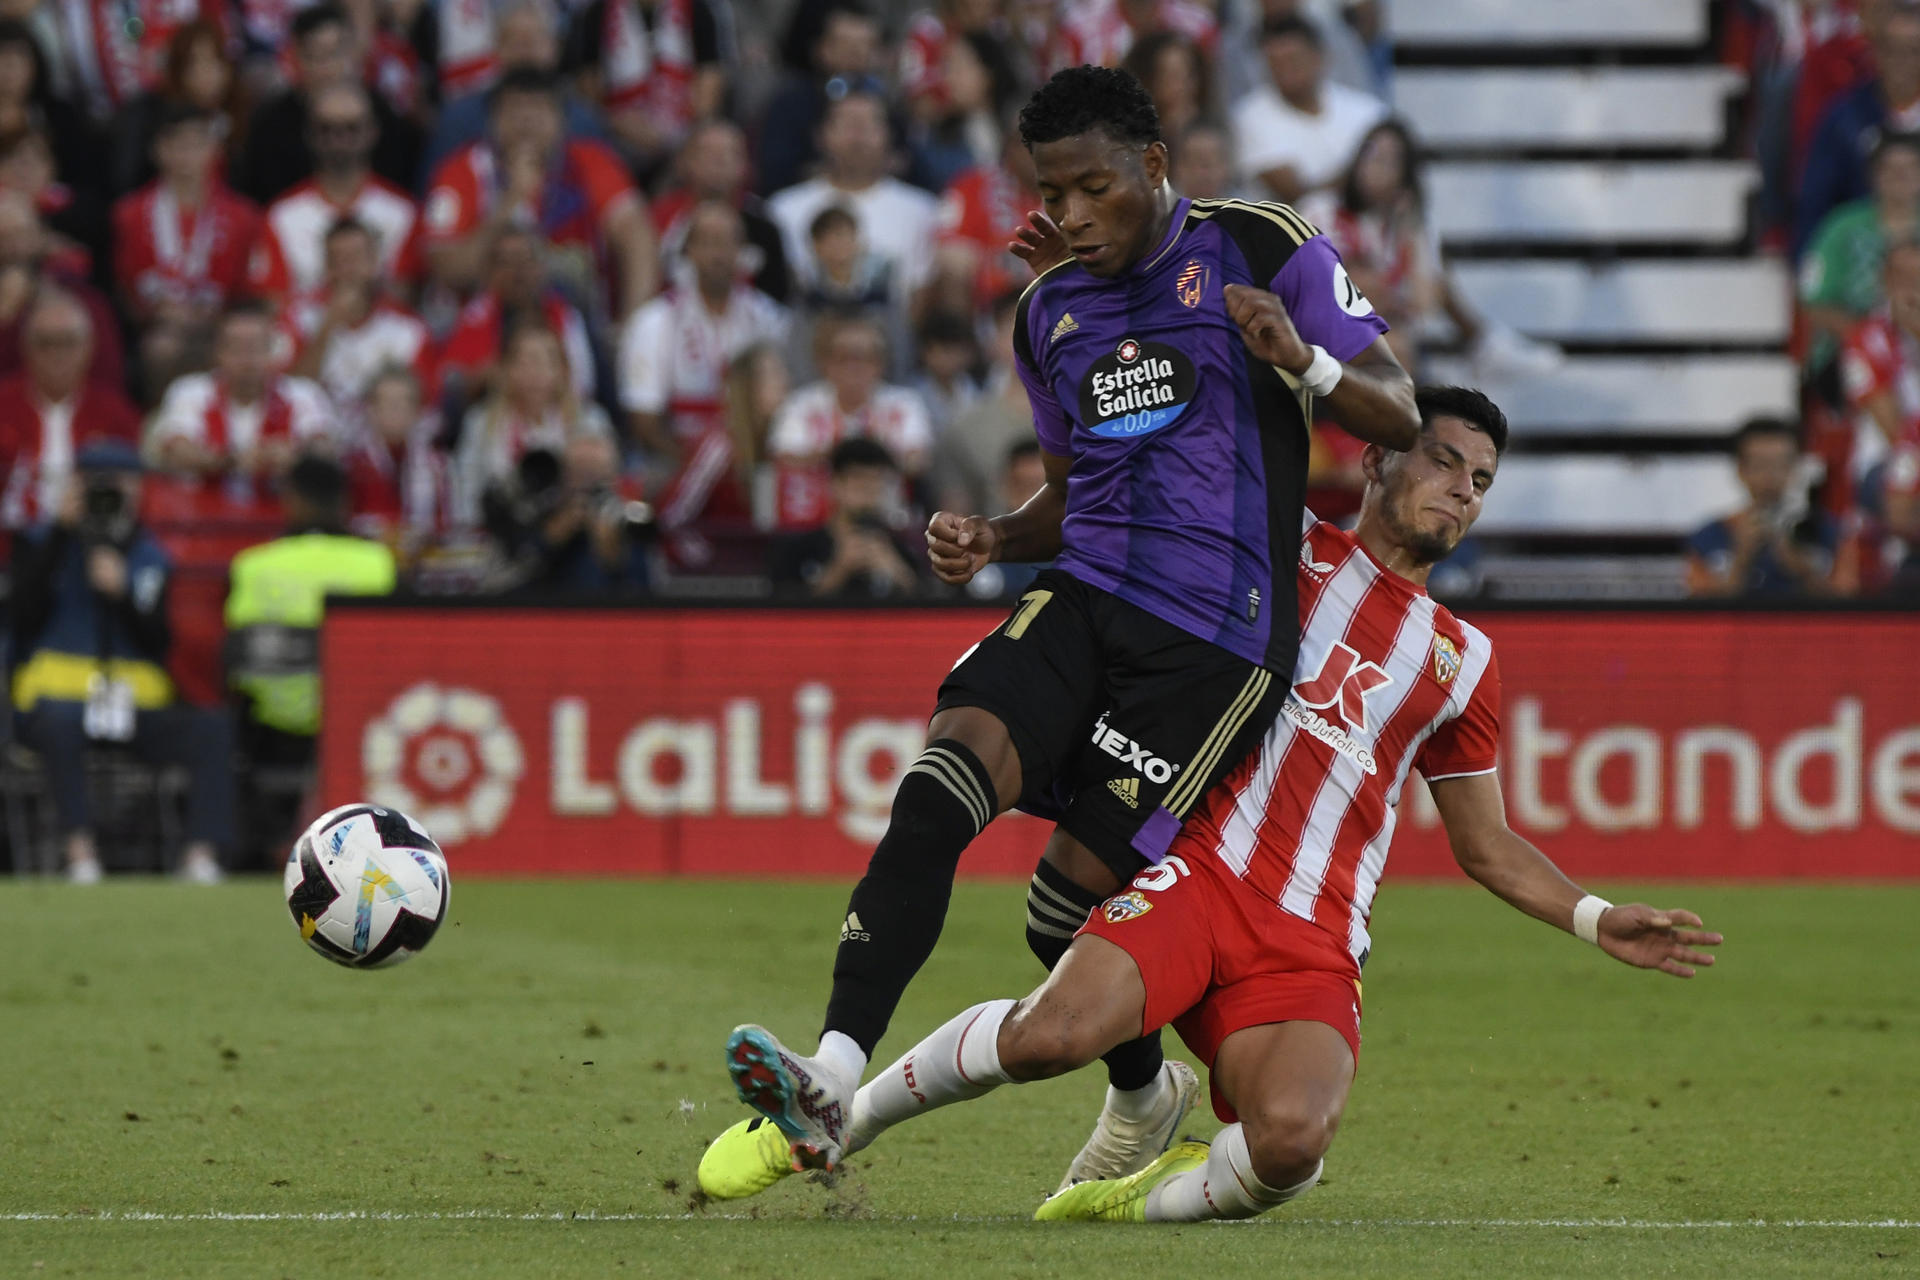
[603, 294]
[1834, 118]
[537, 273]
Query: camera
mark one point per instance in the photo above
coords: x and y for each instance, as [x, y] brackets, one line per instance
[606, 506]
[105, 515]
[526, 498]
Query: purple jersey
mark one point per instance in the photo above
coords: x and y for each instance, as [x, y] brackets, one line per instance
[1189, 455]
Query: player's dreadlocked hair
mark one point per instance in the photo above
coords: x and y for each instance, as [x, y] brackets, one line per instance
[1466, 404]
[1082, 99]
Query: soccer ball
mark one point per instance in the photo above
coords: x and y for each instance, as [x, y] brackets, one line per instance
[366, 886]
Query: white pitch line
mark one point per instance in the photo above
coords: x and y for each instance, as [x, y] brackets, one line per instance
[502, 1215]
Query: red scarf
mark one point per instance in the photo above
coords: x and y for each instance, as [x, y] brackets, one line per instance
[121, 45]
[467, 61]
[651, 70]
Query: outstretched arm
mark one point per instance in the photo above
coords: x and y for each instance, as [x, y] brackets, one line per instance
[1475, 816]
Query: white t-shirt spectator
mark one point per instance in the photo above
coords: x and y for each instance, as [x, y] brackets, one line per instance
[897, 224]
[811, 422]
[389, 335]
[675, 352]
[1270, 133]
[197, 407]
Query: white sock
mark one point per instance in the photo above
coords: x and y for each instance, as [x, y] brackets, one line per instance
[842, 1055]
[958, 1062]
[1224, 1187]
[1138, 1104]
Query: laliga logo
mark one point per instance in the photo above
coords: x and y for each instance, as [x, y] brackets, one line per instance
[445, 755]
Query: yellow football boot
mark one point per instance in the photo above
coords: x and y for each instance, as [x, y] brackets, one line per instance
[1120, 1199]
[745, 1160]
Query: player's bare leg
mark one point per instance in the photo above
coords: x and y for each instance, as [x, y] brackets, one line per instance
[968, 774]
[1289, 1085]
[1147, 1095]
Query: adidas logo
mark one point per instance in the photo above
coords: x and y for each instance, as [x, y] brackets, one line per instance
[851, 930]
[1128, 789]
[1067, 325]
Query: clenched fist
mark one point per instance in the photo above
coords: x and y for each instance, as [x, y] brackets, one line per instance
[959, 546]
[1267, 329]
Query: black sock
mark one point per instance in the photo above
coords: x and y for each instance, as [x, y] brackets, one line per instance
[895, 915]
[1052, 901]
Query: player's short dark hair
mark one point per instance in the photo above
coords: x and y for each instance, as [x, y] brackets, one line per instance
[1291, 27]
[830, 218]
[1894, 141]
[1470, 406]
[1021, 450]
[247, 307]
[1761, 428]
[1084, 99]
[859, 451]
[946, 328]
[528, 80]
[175, 115]
[314, 17]
[346, 224]
[320, 482]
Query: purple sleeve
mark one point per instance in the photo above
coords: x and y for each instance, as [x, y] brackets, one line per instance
[1049, 420]
[1327, 307]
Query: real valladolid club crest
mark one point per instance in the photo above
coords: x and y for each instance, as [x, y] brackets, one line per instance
[1191, 284]
[1446, 660]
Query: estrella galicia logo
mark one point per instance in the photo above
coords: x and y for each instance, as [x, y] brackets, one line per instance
[1139, 388]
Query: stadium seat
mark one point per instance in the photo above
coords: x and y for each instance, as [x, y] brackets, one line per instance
[1693, 201]
[1568, 107]
[1671, 23]
[1543, 578]
[1610, 494]
[1643, 395]
[1743, 300]
[136, 808]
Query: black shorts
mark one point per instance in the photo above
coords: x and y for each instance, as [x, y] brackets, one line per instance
[1122, 720]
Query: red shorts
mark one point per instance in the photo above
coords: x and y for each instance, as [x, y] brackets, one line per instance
[1217, 957]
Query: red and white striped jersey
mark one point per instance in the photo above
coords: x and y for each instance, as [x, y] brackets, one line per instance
[1387, 680]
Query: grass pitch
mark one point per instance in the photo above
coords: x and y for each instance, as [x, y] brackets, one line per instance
[189, 1092]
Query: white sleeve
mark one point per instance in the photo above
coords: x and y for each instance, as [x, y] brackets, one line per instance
[312, 412]
[182, 413]
[788, 209]
[789, 436]
[916, 424]
[644, 356]
[771, 321]
[579, 348]
[1261, 141]
[917, 267]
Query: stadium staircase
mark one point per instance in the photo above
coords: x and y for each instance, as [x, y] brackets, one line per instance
[1585, 176]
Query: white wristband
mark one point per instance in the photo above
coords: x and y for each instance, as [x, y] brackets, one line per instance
[1586, 918]
[1323, 375]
